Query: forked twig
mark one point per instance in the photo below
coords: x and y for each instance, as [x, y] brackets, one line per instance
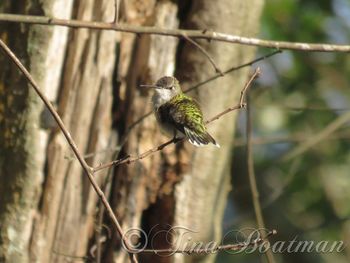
[241, 104]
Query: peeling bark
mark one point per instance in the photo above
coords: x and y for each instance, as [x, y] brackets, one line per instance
[66, 221]
[48, 210]
[41, 215]
[23, 141]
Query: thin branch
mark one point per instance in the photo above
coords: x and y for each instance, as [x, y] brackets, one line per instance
[88, 170]
[309, 108]
[253, 184]
[129, 159]
[241, 104]
[228, 247]
[198, 34]
[318, 137]
[218, 75]
[273, 197]
[217, 70]
[299, 137]
[93, 154]
[132, 126]
[116, 12]
[101, 212]
[241, 141]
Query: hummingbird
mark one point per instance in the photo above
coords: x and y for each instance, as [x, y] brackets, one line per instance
[179, 115]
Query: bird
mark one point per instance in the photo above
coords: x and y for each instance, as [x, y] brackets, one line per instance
[178, 114]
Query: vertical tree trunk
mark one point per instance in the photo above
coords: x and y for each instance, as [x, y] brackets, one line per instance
[201, 196]
[67, 209]
[184, 185]
[46, 215]
[47, 207]
[22, 137]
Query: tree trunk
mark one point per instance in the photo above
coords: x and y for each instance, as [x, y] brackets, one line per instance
[47, 207]
[184, 186]
[201, 196]
[23, 137]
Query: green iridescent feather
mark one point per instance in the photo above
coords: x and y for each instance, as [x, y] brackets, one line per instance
[184, 113]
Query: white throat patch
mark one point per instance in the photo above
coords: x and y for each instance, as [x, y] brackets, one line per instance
[162, 96]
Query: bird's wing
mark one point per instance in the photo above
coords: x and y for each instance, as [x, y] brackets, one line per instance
[185, 114]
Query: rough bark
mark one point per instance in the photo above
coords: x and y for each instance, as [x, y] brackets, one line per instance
[138, 186]
[44, 217]
[201, 195]
[48, 211]
[23, 140]
[184, 186]
[67, 208]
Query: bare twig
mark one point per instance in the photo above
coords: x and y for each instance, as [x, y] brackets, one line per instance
[93, 154]
[217, 70]
[88, 170]
[198, 34]
[197, 251]
[116, 11]
[240, 142]
[129, 159]
[218, 75]
[133, 125]
[106, 189]
[99, 237]
[273, 197]
[310, 108]
[252, 182]
[241, 104]
[142, 118]
[299, 137]
[331, 128]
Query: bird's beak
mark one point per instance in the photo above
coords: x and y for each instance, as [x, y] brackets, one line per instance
[150, 86]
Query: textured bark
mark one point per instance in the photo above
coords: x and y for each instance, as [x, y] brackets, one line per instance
[62, 222]
[201, 195]
[48, 210]
[184, 186]
[23, 141]
[138, 186]
[67, 209]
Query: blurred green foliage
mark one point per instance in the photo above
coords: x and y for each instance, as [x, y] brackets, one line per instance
[298, 95]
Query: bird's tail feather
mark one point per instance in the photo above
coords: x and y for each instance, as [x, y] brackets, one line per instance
[201, 139]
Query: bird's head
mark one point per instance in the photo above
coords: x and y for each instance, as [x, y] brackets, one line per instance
[166, 87]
